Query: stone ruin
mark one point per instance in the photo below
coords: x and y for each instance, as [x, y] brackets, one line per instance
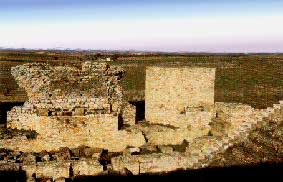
[180, 97]
[179, 106]
[73, 106]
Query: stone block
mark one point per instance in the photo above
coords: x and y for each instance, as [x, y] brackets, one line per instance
[119, 164]
[131, 150]
[129, 115]
[53, 169]
[42, 112]
[166, 149]
[79, 111]
[88, 167]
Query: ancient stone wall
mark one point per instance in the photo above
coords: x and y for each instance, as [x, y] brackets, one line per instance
[62, 169]
[171, 92]
[71, 106]
[69, 87]
[180, 97]
[231, 116]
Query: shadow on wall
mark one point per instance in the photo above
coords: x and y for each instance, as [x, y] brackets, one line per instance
[13, 176]
[4, 108]
[140, 110]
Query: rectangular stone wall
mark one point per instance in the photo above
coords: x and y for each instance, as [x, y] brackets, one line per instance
[98, 131]
[169, 91]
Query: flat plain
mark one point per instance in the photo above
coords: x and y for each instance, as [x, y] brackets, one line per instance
[254, 79]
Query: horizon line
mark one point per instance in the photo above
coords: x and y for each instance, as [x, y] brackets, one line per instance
[140, 51]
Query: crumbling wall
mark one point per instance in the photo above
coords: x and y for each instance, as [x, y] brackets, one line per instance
[69, 87]
[53, 170]
[166, 135]
[87, 168]
[231, 116]
[146, 163]
[56, 170]
[153, 163]
[71, 106]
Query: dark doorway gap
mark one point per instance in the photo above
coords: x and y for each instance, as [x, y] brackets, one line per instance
[4, 108]
[140, 110]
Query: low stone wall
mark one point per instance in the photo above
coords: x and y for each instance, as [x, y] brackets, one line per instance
[152, 163]
[61, 169]
[231, 116]
[75, 125]
[87, 167]
[114, 142]
[53, 170]
[166, 135]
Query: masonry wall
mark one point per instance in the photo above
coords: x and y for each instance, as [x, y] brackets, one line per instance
[70, 106]
[100, 131]
[171, 92]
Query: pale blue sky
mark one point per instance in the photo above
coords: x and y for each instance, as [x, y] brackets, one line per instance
[192, 25]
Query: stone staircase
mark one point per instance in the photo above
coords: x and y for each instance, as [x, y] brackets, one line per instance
[200, 156]
[264, 144]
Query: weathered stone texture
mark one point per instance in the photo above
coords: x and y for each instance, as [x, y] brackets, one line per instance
[113, 141]
[171, 92]
[88, 167]
[51, 169]
[153, 163]
[180, 97]
[62, 169]
[164, 135]
[129, 115]
[231, 116]
[71, 106]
